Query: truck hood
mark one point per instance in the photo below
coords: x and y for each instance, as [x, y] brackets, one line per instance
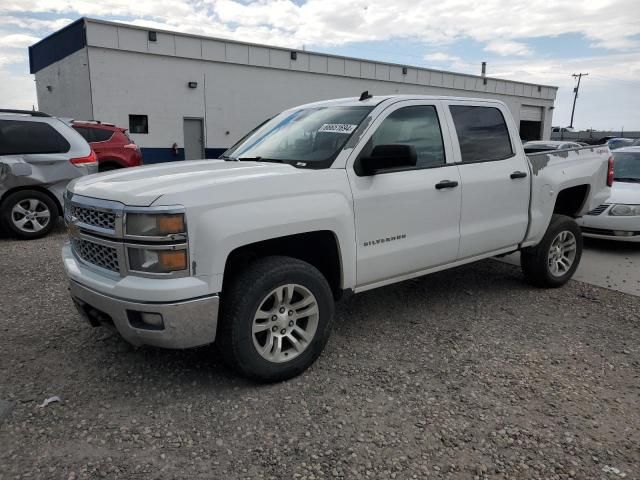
[625, 192]
[141, 186]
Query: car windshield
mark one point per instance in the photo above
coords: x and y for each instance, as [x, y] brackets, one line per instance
[626, 166]
[309, 137]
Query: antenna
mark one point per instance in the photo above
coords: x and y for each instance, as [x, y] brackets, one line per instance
[365, 95]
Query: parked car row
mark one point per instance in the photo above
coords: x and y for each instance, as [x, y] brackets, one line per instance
[619, 217]
[40, 154]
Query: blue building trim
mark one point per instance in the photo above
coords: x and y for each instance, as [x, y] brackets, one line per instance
[152, 155]
[57, 46]
[214, 152]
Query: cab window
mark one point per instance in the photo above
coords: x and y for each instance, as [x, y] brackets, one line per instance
[417, 126]
[482, 132]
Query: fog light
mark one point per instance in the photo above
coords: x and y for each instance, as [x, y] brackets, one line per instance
[145, 320]
[154, 319]
[622, 233]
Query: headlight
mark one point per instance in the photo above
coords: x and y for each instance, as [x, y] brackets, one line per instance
[157, 261]
[155, 225]
[625, 210]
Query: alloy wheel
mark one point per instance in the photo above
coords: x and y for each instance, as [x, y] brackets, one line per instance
[285, 323]
[562, 253]
[30, 215]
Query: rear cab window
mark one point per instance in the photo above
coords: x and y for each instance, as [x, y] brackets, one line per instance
[23, 138]
[482, 133]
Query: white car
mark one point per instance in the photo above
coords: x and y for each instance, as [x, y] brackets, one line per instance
[39, 155]
[619, 217]
[323, 200]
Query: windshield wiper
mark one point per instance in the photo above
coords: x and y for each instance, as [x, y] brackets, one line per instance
[259, 159]
[627, 179]
[228, 159]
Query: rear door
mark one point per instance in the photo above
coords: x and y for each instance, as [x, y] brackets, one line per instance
[494, 177]
[404, 223]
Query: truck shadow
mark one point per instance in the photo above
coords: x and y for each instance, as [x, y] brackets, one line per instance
[611, 245]
[368, 325]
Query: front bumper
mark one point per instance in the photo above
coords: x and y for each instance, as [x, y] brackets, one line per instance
[611, 227]
[188, 312]
[185, 324]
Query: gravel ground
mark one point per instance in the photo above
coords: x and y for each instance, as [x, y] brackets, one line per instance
[468, 373]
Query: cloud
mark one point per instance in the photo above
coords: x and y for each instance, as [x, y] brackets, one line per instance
[606, 23]
[16, 40]
[505, 28]
[507, 48]
[16, 91]
[441, 57]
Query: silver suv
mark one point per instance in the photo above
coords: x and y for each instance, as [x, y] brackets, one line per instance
[39, 155]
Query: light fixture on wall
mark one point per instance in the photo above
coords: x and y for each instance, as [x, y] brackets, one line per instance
[404, 70]
[294, 55]
[153, 36]
[49, 88]
[193, 84]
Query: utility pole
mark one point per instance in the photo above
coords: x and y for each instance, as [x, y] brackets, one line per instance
[575, 92]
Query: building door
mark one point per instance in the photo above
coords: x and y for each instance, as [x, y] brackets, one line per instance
[530, 123]
[193, 139]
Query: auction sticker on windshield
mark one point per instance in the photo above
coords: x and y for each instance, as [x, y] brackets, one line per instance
[337, 128]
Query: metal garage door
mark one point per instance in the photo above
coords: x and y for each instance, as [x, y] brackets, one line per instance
[530, 113]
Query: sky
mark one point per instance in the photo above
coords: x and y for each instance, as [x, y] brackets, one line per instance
[536, 41]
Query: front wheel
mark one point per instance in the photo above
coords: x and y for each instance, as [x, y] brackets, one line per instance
[28, 214]
[276, 318]
[555, 259]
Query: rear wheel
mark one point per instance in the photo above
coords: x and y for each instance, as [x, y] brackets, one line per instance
[276, 318]
[555, 259]
[28, 214]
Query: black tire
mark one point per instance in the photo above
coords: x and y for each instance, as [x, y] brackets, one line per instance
[535, 260]
[245, 295]
[8, 222]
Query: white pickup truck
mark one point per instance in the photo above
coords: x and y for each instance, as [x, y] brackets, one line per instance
[329, 198]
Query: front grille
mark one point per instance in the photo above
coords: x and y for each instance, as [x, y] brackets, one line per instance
[598, 210]
[94, 217]
[96, 254]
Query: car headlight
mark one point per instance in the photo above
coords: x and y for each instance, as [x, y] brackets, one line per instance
[157, 260]
[155, 225]
[625, 210]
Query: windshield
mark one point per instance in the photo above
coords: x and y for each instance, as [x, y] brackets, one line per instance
[309, 137]
[626, 166]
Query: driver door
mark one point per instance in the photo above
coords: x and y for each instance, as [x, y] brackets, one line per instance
[407, 220]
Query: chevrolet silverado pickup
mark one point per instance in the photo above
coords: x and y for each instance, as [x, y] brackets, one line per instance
[322, 200]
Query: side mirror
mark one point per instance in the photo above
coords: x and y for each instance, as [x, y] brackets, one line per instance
[388, 157]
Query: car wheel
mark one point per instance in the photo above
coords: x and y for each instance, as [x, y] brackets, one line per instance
[555, 259]
[275, 318]
[28, 214]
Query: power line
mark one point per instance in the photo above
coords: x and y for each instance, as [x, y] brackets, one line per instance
[575, 94]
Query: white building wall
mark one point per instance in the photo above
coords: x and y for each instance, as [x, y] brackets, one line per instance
[232, 98]
[63, 88]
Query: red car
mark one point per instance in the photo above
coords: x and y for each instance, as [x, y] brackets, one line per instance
[112, 145]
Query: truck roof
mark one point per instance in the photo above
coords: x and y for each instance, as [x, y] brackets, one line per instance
[377, 99]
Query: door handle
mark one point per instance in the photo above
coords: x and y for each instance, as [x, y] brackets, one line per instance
[446, 184]
[518, 175]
